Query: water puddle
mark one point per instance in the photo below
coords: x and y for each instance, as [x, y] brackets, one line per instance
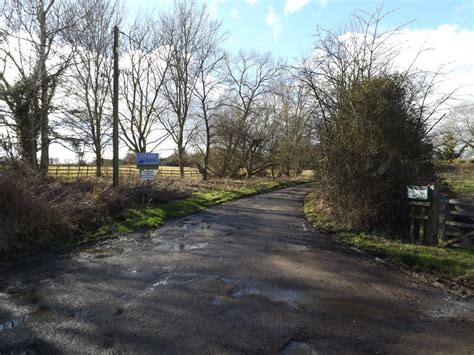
[83, 313]
[298, 348]
[189, 229]
[297, 247]
[9, 325]
[274, 294]
[101, 253]
[179, 246]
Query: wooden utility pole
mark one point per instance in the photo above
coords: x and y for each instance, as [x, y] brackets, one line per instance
[115, 139]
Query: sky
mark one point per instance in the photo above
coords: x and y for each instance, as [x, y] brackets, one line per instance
[286, 28]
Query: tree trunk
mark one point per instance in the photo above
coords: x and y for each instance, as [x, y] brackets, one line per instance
[98, 163]
[205, 173]
[181, 162]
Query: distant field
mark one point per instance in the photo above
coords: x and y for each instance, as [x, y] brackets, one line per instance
[126, 171]
[457, 178]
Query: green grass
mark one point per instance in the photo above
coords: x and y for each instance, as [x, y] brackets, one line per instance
[451, 263]
[156, 215]
[457, 179]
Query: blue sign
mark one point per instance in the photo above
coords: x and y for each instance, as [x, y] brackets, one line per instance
[148, 160]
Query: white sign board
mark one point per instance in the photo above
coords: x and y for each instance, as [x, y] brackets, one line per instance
[147, 174]
[418, 193]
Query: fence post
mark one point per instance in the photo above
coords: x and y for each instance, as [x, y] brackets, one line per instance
[431, 233]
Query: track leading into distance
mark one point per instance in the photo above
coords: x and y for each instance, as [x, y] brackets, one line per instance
[244, 277]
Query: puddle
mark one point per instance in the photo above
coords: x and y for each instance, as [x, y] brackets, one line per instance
[275, 294]
[9, 325]
[101, 253]
[83, 313]
[305, 227]
[217, 301]
[297, 247]
[179, 246]
[160, 283]
[198, 228]
[298, 348]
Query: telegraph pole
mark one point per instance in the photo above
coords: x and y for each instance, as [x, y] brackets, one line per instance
[115, 139]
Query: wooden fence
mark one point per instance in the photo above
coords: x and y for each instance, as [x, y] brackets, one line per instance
[127, 171]
[456, 222]
[449, 222]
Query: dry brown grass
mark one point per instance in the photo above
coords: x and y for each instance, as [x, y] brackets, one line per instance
[38, 212]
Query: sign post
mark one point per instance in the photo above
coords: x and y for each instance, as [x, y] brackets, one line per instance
[423, 202]
[148, 163]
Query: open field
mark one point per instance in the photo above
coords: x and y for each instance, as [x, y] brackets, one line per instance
[126, 171]
[457, 178]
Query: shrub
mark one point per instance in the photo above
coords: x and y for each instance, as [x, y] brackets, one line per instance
[372, 147]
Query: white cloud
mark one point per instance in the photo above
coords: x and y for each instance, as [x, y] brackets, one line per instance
[213, 5]
[251, 2]
[323, 3]
[295, 5]
[273, 21]
[234, 13]
[445, 46]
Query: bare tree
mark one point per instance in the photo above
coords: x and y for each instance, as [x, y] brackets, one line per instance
[250, 77]
[143, 74]
[365, 50]
[457, 132]
[35, 49]
[292, 130]
[89, 114]
[191, 36]
[208, 90]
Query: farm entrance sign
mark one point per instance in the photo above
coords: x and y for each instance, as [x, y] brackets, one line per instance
[148, 160]
[420, 193]
[147, 163]
[147, 174]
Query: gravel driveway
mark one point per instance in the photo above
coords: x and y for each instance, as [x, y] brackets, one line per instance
[244, 277]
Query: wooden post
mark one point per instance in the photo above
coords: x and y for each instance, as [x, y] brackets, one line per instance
[115, 103]
[431, 233]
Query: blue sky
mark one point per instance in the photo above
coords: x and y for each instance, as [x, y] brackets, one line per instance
[270, 25]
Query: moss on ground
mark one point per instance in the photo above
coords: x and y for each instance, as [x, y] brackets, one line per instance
[156, 215]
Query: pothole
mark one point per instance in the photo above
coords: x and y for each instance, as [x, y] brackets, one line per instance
[275, 294]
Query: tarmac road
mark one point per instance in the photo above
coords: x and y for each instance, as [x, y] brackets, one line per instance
[244, 277]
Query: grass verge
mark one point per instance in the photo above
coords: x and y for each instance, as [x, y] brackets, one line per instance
[453, 264]
[157, 214]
